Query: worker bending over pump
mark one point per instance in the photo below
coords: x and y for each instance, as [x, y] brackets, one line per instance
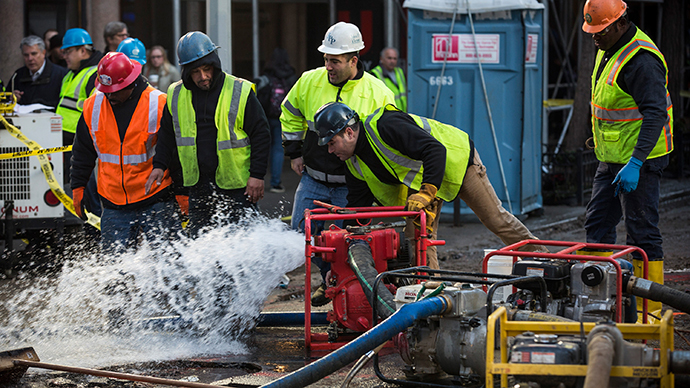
[390, 149]
[119, 130]
[215, 128]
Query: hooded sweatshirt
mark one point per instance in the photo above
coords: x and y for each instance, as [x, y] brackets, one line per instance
[205, 102]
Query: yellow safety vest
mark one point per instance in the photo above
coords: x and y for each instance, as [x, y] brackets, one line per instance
[616, 120]
[399, 90]
[313, 90]
[233, 146]
[410, 171]
[72, 97]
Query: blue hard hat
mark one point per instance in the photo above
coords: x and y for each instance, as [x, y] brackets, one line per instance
[194, 45]
[76, 37]
[134, 49]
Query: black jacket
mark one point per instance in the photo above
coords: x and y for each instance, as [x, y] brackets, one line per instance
[401, 132]
[205, 102]
[45, 90]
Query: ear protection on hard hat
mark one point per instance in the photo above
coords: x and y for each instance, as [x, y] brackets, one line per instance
[134, 49]
[599, 14]
[332, 118]
[76, 37]
[342, 38]
[115, 72]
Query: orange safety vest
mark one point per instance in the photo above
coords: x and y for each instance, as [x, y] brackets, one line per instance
[124, 167]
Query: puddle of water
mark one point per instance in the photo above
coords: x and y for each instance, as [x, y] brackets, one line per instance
[97, 309]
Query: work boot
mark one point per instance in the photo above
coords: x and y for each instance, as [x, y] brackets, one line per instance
[318, 298]
[656, 274]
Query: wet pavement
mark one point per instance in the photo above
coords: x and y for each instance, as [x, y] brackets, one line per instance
[273, 352]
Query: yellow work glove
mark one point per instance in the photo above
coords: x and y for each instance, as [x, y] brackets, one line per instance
[424, 199]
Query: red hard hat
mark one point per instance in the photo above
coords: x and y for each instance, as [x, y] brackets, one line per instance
[599, 14]
[115, 72]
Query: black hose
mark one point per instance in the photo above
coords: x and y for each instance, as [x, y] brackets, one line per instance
[659, 293]
[362, 263]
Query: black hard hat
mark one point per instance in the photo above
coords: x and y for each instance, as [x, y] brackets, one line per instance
[332, 118]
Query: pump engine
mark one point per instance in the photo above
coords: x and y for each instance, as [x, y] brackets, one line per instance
[579, 291]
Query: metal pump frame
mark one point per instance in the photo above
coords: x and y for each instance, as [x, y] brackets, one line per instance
[663, 332]
[319, 341]
[568, 253]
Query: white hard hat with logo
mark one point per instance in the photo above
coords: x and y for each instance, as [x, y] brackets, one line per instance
[342, 38]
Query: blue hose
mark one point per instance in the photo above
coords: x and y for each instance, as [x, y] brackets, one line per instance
[399, 321]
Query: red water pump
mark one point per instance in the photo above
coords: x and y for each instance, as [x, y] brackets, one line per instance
[379, 243]
[350, 305]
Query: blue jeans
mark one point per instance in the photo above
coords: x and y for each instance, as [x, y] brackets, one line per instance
[277, 155]
[640, 208]
[120, 228]
[308, 190]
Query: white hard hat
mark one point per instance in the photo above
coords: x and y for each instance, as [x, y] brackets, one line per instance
[342, 38]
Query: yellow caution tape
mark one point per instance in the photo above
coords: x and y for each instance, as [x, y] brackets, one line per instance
[23, 154]
[55, 186]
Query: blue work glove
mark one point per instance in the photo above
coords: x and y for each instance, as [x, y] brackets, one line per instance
[628, 176]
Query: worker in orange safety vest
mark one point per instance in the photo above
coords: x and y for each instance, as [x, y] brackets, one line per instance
[119, 130]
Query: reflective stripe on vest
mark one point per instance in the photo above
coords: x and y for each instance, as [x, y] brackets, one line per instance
[455, 141]
[179, 140]
[398, 87]
[125, 163]
[624, 55]
[616, 119]
[313, 90]
[232, 143]
[72, 97]
[295, 136]
[152, 129]
[292, 109]
[232, 117]
[323, 177]
[415, 166]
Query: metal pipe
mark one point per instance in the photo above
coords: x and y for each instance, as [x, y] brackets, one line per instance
[255, 38]
[332, 11]
[680, 362]
[389, 23]
[488, 110]
[114, 375]
[291, 318]
[176, 29]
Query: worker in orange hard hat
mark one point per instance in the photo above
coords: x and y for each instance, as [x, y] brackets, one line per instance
[600, 14]
[632, 123]
[119, 131]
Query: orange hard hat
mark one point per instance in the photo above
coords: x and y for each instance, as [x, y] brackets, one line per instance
[115, 72]
[599, 14]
